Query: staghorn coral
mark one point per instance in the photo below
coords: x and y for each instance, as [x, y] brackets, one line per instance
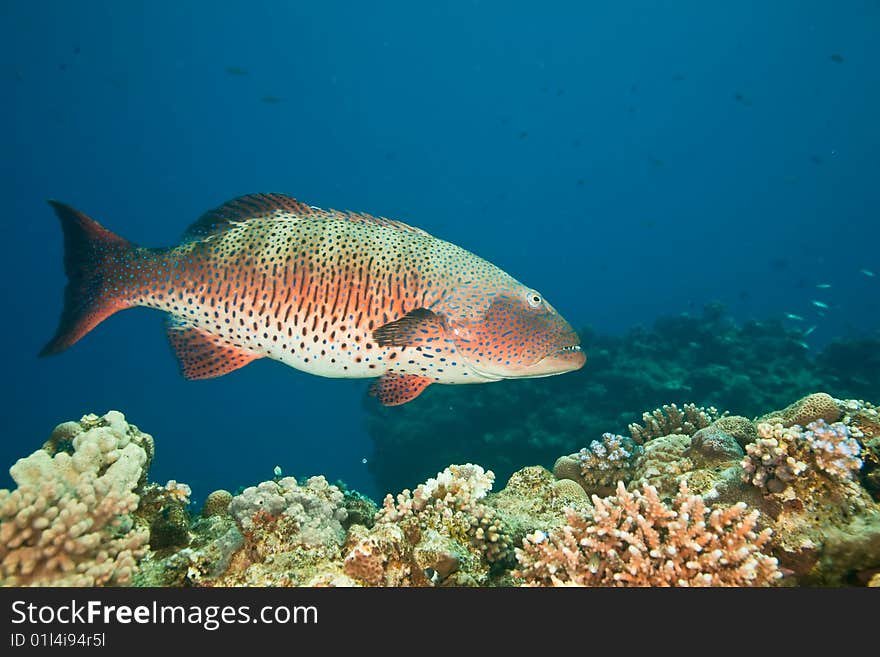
[634, 539]
[669, 419]
[70, 520]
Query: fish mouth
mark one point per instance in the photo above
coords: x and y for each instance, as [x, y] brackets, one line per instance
[565, 359]
[570, 349]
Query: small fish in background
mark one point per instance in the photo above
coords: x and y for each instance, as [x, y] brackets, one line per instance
[809, 330]
[656, 162]
[803, 345]
[816, 159]
[819, 304]
[836, 58]
[678, 77]
[523, 134]
[823, 286]
[235, 70]
[740, 98]
[796, 318]
[270, 100]
[581, 182]
[867, 272]
[335, 294]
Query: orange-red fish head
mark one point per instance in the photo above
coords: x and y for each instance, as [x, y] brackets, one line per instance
[518, 335]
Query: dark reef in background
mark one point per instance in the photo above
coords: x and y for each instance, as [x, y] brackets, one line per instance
[709, 360]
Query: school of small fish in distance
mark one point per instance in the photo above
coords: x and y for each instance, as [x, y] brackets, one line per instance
[337, 294]
[820, 308]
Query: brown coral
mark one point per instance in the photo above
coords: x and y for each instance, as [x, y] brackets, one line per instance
[634, 539]
[741, 428]
[817, 406]
[671, 419]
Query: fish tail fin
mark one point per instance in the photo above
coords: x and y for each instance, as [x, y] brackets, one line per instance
[93, 260]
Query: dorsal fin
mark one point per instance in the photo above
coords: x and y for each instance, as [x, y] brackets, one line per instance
[280, 207]
[252, 206]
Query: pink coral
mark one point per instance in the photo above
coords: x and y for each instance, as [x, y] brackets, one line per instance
[634, 539]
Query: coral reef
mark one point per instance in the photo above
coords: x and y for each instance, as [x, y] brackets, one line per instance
[818, 406]
[772, 462]
[729, 501]
[70, 521]
[450, 536]
[670, 419]
[780, 455]
[313, 511]
[600, 466]
[634, 539]
[705, 358]
[164, 510]
[217, 503]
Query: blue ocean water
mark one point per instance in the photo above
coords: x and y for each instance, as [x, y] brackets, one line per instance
[627, 159]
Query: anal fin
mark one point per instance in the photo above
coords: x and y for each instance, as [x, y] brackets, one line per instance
[202, 355]
[394, 389]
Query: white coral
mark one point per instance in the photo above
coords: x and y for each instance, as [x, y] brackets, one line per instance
[316, 507]
[69, 520]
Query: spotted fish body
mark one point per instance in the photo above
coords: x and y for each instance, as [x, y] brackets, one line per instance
[336, 294]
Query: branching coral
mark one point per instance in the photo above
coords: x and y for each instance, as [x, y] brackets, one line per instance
[670, 419]
[634, 539]
[834, 449]
[781, 454]
[773, 461]
[70, 520]
[441, 528]
[600, 466]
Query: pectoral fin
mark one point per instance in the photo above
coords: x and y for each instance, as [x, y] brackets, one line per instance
[417, 327]
[394, 389]
[203, 356]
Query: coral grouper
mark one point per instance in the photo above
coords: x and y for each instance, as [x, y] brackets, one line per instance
[337, 294]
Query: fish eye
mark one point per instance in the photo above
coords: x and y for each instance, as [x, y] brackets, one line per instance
[534, 299]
